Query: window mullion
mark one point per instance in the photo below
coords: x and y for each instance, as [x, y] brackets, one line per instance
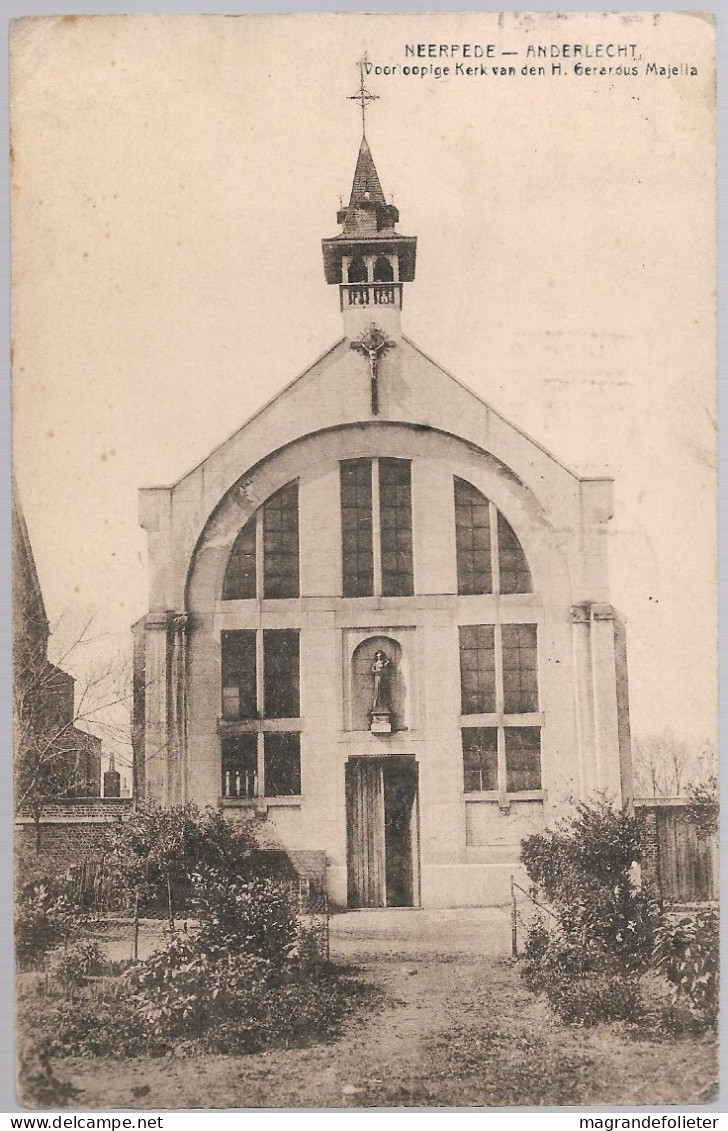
[494, 557]
[259, 703]
[502, 777]
[376, 531]
[259, 554]
[499, 704]
[499, 693]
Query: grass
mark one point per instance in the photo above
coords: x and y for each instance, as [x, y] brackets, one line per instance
[460, 1033]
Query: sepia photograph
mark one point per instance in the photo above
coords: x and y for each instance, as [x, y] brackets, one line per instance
[364, 560]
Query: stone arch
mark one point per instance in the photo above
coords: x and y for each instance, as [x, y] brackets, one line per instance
[275, 525]
[545, 543]
[383, 270]
[357, 271]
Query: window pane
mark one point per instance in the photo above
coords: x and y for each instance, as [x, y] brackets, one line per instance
[480, 758]
[281, 665]
[395, 510]
[356, 527]
[240, 578]
[280, 543]
[239, 677]
[240, 765]
[472, 540]
[477, 668]
[523, 758]
[282, 764]
[520, 677]
[515, 576]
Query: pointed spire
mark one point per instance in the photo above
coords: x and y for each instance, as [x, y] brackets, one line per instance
[367, 212]
[367, 185]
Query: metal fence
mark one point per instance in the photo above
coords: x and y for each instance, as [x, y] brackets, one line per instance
[96, 889]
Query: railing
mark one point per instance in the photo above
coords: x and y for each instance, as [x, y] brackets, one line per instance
[514, 912]
[370, 294]
[239, 783]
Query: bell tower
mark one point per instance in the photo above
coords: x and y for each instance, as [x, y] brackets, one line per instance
[369, 260]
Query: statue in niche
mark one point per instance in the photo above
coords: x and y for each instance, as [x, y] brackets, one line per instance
[381, 722]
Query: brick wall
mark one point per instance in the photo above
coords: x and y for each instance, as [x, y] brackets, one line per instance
[650, 859]
[70, 832]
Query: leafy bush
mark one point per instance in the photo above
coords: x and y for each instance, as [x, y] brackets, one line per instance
[579, 985]
[74, 967]
[703, 809]
[601, 939]
[105, 1027]
[687, 952]
[158, 851]
[550, 958]
[258, 917]
[44, 916]
[249, 976]
[291, 1013]
[583, 868]
[182, 990]
[592, 998]
[245, 979]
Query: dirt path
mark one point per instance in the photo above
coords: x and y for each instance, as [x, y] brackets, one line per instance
[457, 1029]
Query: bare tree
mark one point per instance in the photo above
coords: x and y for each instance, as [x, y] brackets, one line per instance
[59, 720]
[669, 765]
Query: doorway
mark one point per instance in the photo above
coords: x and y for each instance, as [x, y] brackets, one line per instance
[382, 832]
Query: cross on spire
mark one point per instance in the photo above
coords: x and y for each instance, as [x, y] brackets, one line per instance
[363, 96]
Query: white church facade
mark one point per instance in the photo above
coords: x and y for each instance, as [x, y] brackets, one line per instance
[380, 620]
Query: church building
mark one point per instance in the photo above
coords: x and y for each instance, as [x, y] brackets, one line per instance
[380, 621]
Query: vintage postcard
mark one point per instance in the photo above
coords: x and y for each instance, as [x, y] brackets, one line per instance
[365, 560]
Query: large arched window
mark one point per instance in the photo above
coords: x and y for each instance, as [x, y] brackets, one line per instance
[267, 544]
[489, 555]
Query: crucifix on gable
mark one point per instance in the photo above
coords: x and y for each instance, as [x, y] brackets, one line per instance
[373, 345]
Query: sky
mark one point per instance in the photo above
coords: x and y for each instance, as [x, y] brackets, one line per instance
[173, 177]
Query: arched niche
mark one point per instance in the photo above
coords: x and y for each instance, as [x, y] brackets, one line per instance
[383, 270]
[394, 682]
[357, 272]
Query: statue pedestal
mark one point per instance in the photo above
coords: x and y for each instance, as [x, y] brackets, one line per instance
[381, 722]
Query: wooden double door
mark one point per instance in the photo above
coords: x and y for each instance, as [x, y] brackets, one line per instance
[382, 832]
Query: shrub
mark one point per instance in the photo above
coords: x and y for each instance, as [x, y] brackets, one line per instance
[250, 976]
[158, 851]
[44, 916]
[583, 868]
[73, 967]
[577, 981]
[687, 952]
[290, 1013]
[588, 963]
[551, 958]
[591, 998]
[227, 977]
[183, 989]
[703, 809]
[91, 1028]
[258, 917]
